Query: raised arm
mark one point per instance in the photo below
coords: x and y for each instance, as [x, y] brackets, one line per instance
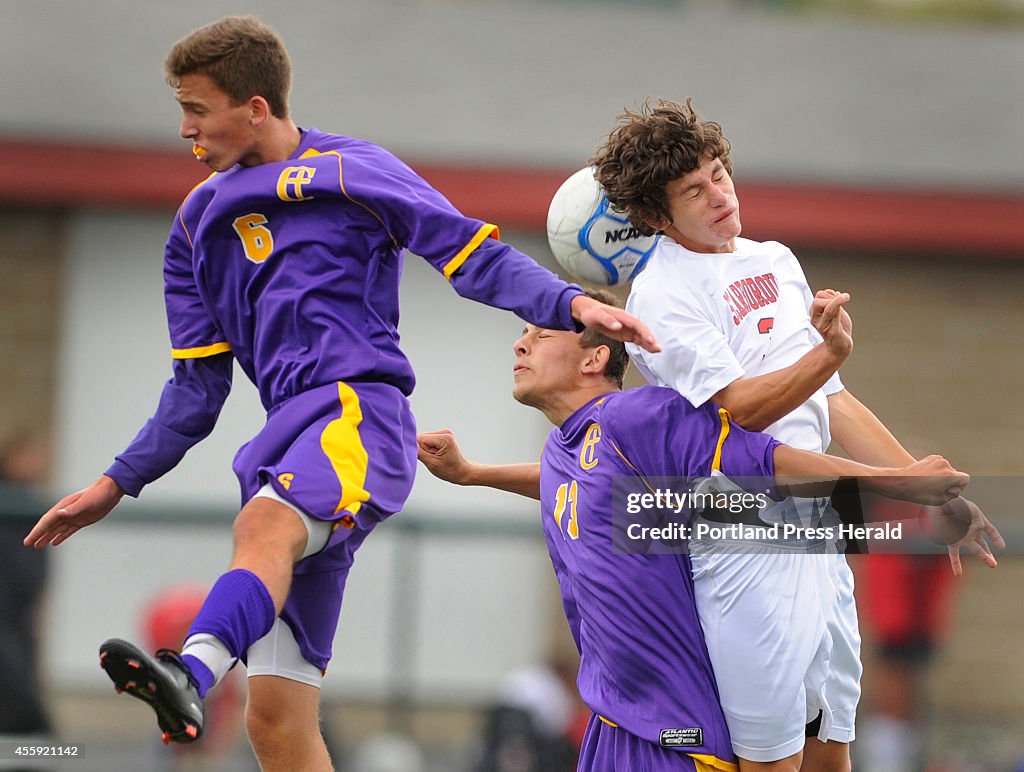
[441, 455]
[467, 252]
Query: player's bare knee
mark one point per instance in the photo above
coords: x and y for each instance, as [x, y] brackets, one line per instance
[264, 734]
[282, 706]
[276, 723]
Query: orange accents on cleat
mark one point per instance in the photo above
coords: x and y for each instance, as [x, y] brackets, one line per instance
[162, 681]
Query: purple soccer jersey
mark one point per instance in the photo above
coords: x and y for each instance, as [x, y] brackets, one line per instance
[644, 665]
[293, 267]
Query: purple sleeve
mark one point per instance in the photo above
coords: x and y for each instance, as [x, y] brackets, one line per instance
[503, 277]
[749, 454]
[193, 332]
[189, 406]
[663, 435]
[465, 250]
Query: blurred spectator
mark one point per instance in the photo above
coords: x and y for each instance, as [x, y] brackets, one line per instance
[390, 752]
[537, 722]
[905, 602]
[24, 461]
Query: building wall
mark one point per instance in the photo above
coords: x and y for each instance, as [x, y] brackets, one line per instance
[936, 352]
[31, 261]
[818, 97]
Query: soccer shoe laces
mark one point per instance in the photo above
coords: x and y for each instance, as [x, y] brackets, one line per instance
[170, 655]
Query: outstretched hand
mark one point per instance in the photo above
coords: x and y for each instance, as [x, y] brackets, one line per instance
[74, 512]
[440, 454]
[613, 322]
[961, 523]
[833, 322]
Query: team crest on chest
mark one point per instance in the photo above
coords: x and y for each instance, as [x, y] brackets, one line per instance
[292, 181]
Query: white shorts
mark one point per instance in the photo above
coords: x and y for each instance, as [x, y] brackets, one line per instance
[277, 654]
[769, 621]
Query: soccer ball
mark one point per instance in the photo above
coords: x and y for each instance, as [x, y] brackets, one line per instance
[590, 240]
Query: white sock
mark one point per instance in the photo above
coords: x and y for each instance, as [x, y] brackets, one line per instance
[211, 651]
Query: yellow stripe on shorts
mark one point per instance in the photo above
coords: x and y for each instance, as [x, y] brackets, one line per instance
[342, 444]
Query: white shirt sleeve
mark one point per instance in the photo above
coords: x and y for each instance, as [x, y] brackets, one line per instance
[695, 357]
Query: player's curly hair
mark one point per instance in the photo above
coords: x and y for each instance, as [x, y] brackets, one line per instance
[618, 359]
[648, 149]
[242, 55]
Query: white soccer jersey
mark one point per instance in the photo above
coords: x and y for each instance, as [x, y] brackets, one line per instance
[719, 317]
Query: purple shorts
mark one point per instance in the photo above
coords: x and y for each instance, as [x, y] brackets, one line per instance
[608, 748]
[345, 453]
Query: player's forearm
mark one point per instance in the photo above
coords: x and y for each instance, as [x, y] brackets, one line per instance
[861, 434]
[756, 403]
[503, 277]
[929, 481]
[804, 473]
[523, 479]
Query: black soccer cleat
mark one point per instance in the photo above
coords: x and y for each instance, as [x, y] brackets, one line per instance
[163, 681]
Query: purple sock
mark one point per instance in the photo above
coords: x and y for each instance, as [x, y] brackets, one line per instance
[200, 672]
[239, 611]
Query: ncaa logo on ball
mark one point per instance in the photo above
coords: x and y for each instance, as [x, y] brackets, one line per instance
[591, 240]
